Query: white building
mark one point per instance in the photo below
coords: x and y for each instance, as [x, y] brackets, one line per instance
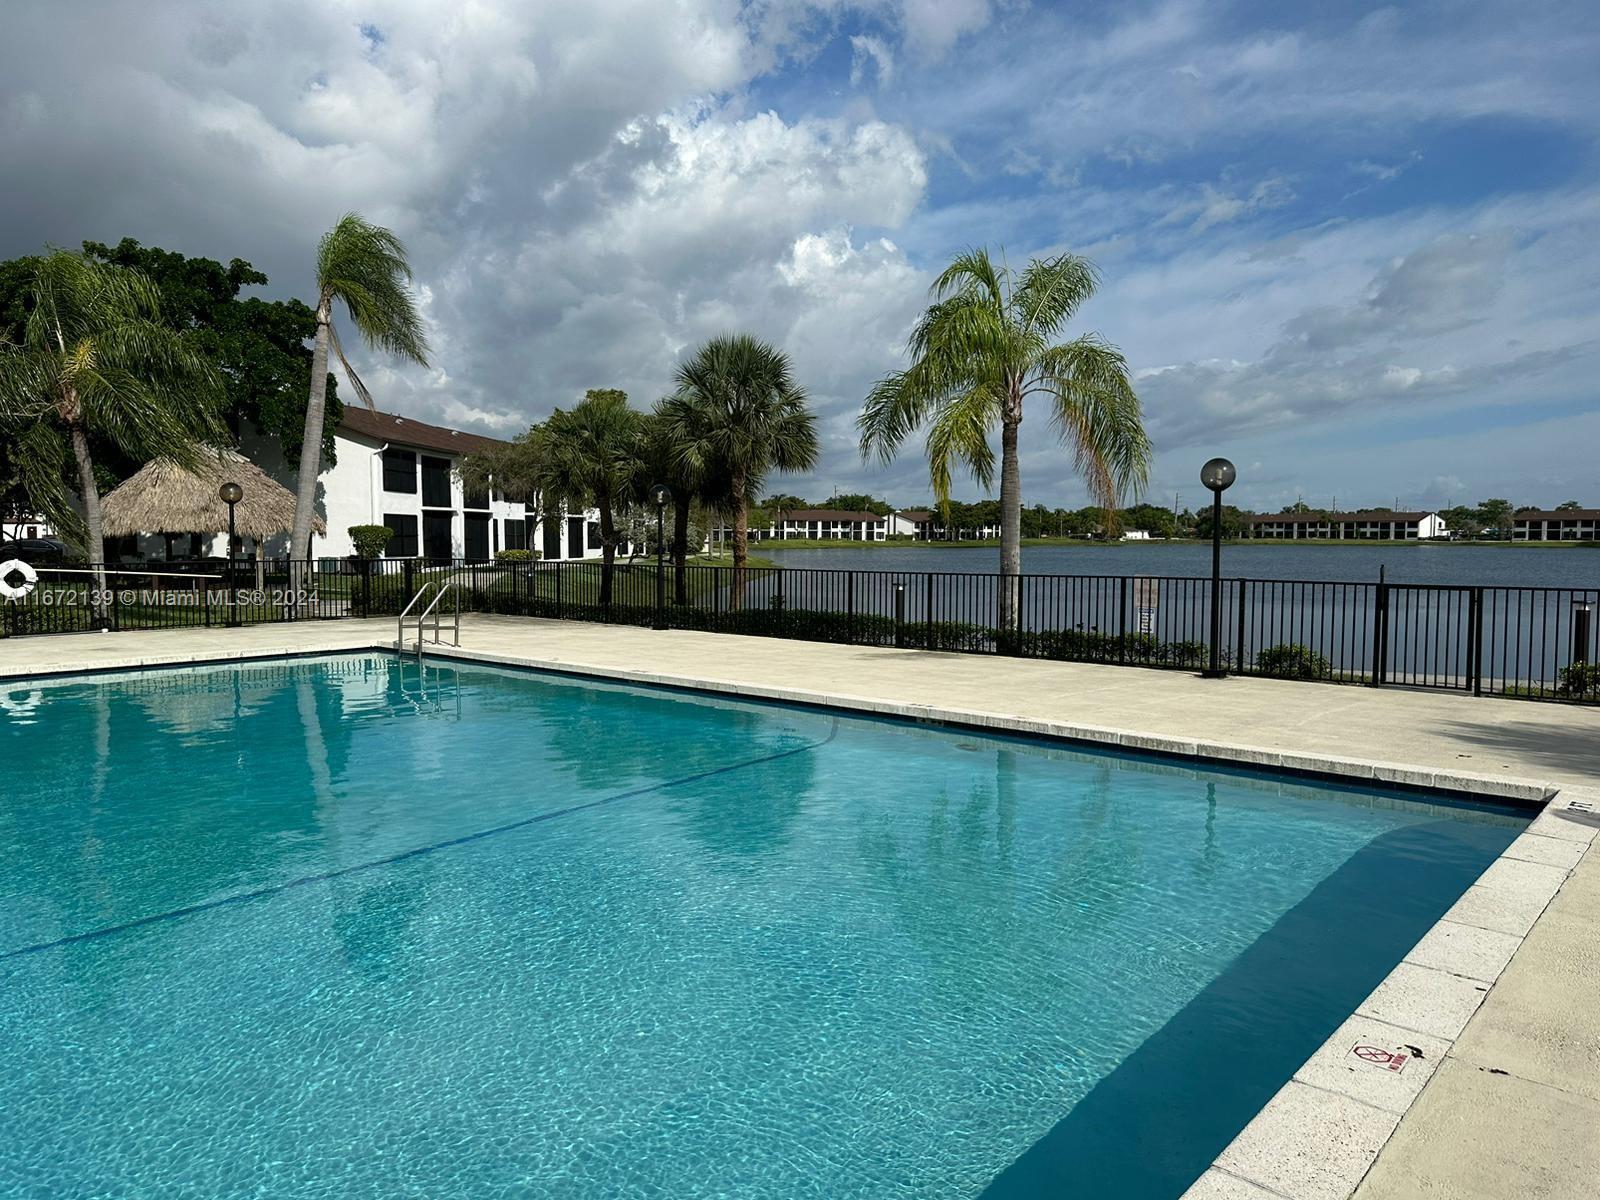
[912, 523]
[822, 524]
[1382, 526]
[395, 471]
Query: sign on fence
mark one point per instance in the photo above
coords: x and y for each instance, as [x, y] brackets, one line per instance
[1146, 598]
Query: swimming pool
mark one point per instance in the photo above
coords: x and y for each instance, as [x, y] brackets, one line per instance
[352, 927]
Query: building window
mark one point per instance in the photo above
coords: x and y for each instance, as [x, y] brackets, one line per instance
[516, 534]
[404, 542]
[437, 536]
[435, 482]
[400, 471]
[594, 535]
[476, 500]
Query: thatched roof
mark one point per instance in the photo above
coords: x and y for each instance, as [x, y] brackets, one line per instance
[166, 498]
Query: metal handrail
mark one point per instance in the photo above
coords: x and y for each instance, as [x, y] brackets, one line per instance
[400, 631]
[446, 588]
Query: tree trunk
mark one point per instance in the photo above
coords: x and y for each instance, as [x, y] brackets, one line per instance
[95, 542]
[608, 551]
[741, 539]
[305, 498]
[680, 550]
[1010, 517]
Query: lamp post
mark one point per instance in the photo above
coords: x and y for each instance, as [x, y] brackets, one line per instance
[231, 493]
[1218, 475]
[661, 496]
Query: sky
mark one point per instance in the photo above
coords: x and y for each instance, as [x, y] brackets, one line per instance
[1353, 247]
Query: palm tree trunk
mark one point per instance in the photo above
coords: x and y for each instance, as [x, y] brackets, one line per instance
[608, 552]
[741, 538]
[680, 550]
[305, 498]
[95, 543]
[1010, 518]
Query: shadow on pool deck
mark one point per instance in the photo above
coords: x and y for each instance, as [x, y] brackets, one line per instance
[1152, 1126]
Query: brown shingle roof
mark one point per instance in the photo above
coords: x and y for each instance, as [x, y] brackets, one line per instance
[916, 514]
[1580, 514]
[406, 431]
[826, 514]
[1336, 518]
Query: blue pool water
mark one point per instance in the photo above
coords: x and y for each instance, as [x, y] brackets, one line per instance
[350, 928]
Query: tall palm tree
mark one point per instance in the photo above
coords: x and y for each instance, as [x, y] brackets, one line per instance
[96, 362]
[593, 457]
[745, 417]
[365, 266]
[984, 346]
[675, 427]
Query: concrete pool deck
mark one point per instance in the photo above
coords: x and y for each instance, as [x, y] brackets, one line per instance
[1502, 997]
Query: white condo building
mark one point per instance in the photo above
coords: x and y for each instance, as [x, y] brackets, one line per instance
[403, 473]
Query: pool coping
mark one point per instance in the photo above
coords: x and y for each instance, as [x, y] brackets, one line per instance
[1322, 1131]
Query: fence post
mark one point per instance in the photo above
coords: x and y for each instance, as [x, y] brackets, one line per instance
[205, 601]
[366, 587]
[927, 608]
[1122, 619]
[899, 614]
[780, 598]
[560, 597]
[1475, 640]
[1581, 612]
[1380, 632]
[1238, 647]
[850, 605]
[411, 571]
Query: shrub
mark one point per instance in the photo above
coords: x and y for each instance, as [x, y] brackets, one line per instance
[370, 540]
[1290, 660]
[1580, 681]
[509, 557]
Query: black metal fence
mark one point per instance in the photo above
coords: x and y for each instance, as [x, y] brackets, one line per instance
[1534, 642]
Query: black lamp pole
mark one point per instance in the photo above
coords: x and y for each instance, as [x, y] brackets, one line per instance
[661, 495]
[1218, 475]
[230, 494]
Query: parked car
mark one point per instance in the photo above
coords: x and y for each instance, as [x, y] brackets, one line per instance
[40, 552]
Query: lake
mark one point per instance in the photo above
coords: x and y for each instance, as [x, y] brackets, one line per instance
[1508, 566]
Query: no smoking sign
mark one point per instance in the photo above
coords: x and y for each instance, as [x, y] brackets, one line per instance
[1377, 1056]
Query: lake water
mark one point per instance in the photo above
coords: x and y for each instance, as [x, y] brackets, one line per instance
[1576, 566]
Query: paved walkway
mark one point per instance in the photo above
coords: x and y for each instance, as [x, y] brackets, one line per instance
[1512, 1108]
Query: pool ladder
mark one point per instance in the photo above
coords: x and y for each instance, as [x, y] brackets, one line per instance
[441, 590]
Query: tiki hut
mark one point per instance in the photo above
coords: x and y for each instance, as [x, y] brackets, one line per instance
[164, 497]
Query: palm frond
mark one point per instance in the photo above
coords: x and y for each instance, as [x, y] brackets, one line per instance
[365, 266]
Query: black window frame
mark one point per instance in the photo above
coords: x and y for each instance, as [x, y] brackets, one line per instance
[433, 471]
[400, 467]
[404, 543]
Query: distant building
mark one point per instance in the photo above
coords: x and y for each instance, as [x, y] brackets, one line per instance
[1378, 526]
[1557, 525]
[25, 527]
[820, 524]
[913, 523]
[1136, 535]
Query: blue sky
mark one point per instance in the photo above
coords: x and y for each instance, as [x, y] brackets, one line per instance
[1352, 246]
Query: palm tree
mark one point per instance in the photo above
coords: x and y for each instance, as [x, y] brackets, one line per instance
[744, 417]
[365, 266]
[96, 362]
[982, 348]
[675, 427]
[593, 457]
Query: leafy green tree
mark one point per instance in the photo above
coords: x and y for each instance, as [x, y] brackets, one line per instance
[860, 502]
[743, 417]
[97, 356]
[258, 346]
[1233, 522]
[593, 456]
[980, 351]
[1496, 515]
[364, 266]
[1569, 506]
